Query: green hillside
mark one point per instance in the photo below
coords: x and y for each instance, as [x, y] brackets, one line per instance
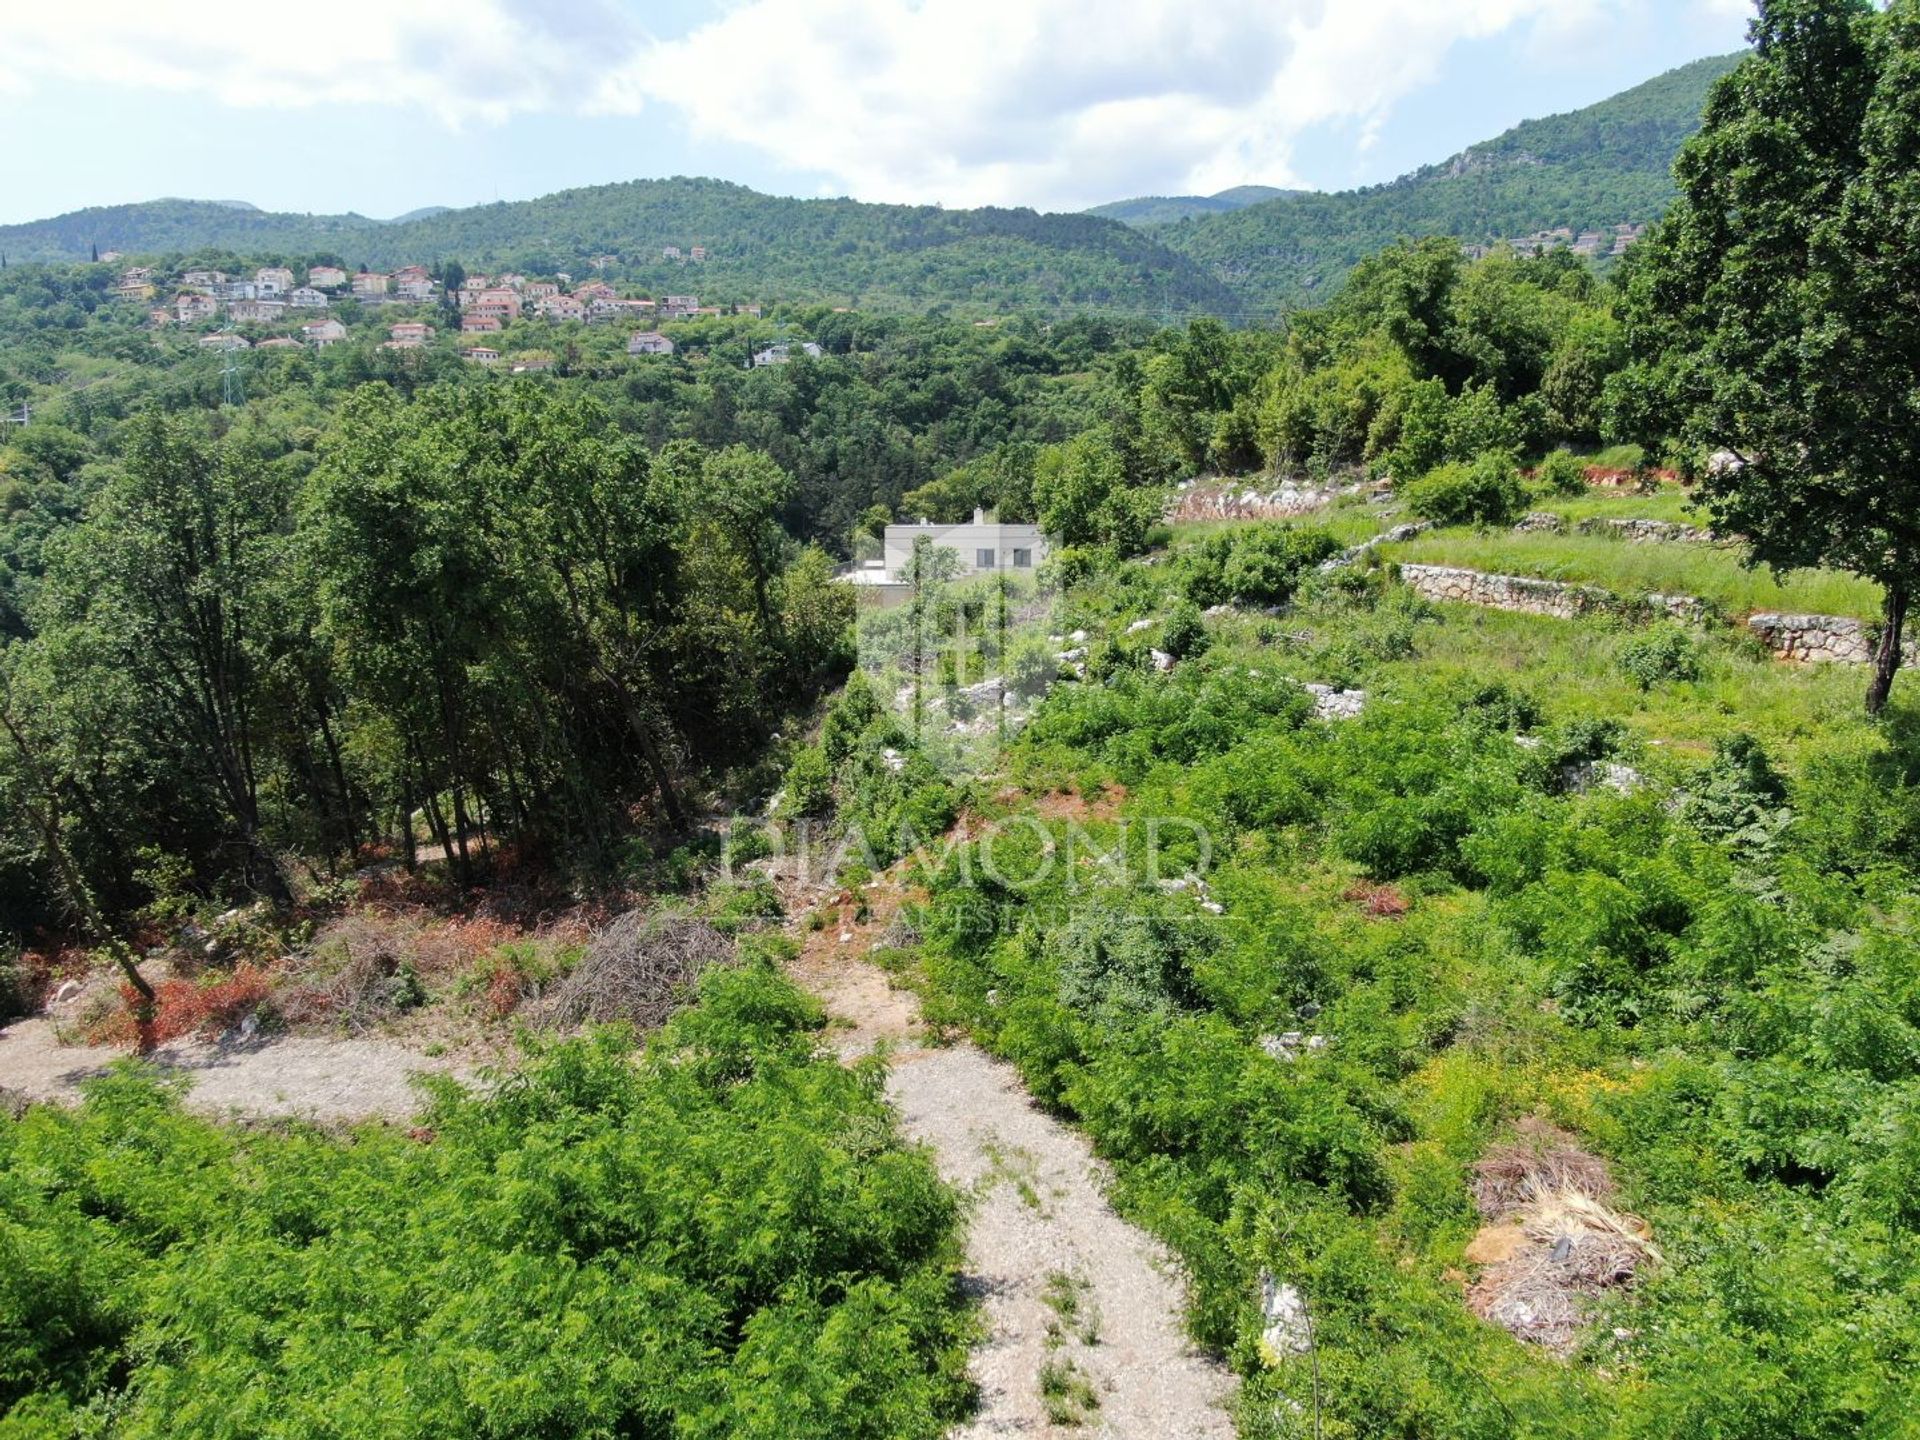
[1242, 253]
[1146, 210]
[153, 227]
[1594, 168]
[759, 246]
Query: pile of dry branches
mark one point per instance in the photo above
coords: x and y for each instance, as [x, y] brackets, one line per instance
[1552, 1242]
[640, 969]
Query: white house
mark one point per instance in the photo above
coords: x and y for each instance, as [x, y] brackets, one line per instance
[191, 308]
[323, 333]
[782, 351]
[326, 277]
[367, 284]
[984, 546]
[306, 297]
[649, 342]
[258, 312]
[270, 282]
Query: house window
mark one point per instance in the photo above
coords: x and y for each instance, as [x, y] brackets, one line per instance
[1023, 559]
[983, 559]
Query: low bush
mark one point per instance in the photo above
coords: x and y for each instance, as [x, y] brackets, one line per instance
[1661, 654]
[1562, 475]
[1487, 492]
[809, 787]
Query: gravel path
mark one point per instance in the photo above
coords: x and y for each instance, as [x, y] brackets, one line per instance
[309, 1079]
[1040, 1226]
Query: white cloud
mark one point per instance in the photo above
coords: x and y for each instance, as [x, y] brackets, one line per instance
[1062, 102]
[1047, 102]
[458, 60]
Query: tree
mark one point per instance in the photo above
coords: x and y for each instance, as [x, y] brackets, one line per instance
[168, 583]
[39, 798]
[1774, 316]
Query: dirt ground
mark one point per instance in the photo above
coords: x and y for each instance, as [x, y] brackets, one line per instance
[1039, 1220]
[320, 1079]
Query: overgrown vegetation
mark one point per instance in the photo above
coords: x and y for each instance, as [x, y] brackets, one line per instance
[1410, 931]
[717, 1237]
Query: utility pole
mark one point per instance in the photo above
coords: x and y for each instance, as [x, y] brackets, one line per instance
[231, 392]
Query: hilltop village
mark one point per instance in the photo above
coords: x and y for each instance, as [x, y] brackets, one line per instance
[277, 307]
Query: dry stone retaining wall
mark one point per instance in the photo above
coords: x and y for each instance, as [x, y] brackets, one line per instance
[1835, 639]
[1637, 531]
[1531, 596]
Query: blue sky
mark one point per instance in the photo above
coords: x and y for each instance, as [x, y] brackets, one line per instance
[381, 106]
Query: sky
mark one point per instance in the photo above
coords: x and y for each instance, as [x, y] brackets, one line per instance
[384, 106]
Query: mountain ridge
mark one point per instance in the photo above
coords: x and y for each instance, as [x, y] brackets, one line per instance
[1147, 210]
[1247, 253]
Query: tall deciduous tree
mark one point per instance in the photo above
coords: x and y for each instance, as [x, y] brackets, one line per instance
[169, 583]
[1776, 315]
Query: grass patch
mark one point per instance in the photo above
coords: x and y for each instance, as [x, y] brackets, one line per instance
[1067, 1393]
[1069, 1297]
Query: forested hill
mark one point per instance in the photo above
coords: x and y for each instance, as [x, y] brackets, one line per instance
[758, 246]
[1590, 169]
[1148, 210]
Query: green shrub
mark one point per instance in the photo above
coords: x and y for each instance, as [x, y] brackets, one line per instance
[849, 718]
[15, 991]
[1031, 666]
[1661, 654]
[1562, 474]
[1487, 492]
[747, 841]
[1183, 634]
[809, 787]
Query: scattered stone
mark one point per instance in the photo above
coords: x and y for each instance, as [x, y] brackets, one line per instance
[1580, 778]
[1724, 463]
[1540, 522]
[1215, 612]
[1332, 704]
[1162, 661]
[1354, 554]
[68, 989]
[1137, 626]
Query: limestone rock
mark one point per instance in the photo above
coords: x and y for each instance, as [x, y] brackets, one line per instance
[1287, 1331]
